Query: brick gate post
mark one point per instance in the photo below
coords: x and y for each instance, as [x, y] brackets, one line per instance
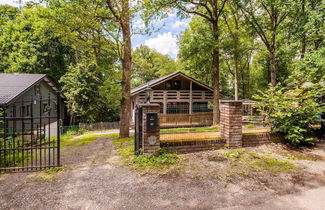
[231, 122]
[151, 128]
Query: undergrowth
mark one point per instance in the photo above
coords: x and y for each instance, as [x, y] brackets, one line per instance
[163, 160]
[257, 162]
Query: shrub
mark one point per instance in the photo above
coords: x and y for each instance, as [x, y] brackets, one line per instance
[293, 111]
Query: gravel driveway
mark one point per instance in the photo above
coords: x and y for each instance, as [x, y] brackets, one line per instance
[94, 179]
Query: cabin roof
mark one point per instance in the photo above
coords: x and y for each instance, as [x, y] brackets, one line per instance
[159, 80]
[14, 85]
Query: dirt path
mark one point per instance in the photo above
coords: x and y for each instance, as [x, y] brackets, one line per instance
[93, 179]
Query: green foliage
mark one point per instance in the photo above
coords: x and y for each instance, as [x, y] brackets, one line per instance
[233, 153]
[28, 45]
[125, 147]
[293, 111]
[7, 13]
[250, 126]
[81, 87]
[76, 142]
[196, 46]
[151, 161]
[149, 64]
[311, 68]
[252, 161]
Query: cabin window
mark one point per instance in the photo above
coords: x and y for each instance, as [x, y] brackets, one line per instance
[46, 108]
[173, 85]
[177, 85]
[168, 85]
[26, 111]
[37, 90]
[177, 108]
[201, 107]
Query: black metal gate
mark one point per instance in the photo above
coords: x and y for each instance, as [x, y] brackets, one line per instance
[138, 130]
[30, 135]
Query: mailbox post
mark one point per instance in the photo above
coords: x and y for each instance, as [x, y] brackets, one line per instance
[149, 134]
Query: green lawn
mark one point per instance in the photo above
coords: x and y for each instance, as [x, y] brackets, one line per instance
[71, 140]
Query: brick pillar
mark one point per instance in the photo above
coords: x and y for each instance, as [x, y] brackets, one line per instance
[231, 122]
[151, 128]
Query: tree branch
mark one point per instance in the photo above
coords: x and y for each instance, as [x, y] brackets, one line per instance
[113, 10]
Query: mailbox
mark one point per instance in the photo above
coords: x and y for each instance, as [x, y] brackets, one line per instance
[152, 121]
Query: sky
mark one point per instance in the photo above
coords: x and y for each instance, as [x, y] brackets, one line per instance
[164, 40]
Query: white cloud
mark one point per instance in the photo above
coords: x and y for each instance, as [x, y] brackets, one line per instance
[180, 24]
[139, 24]
[14, 3]
[164, 43]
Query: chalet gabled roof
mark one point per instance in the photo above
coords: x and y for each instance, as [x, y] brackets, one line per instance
[163, 79]
[14, 85]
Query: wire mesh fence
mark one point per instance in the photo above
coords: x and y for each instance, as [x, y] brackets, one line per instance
[99, 126]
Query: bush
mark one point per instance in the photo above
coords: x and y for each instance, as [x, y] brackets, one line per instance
[294, 111]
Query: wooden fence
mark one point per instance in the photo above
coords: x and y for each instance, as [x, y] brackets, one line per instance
[100, 125]
[185, 120]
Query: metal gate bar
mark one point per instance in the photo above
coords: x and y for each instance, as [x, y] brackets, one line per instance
[26, 140]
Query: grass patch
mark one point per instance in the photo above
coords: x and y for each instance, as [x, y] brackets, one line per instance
[251, 161]
[83, 140]
[125, 147]
[68, 140]
[179, 130]
[49, 175]
[250, 126]
[296, 155]
[163, 160]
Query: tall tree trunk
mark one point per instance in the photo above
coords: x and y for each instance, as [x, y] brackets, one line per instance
[216, 86]
[236, 79]
[236, 57]
[303, 36]
[273, 67]
[248, 95]
[272, 53]
[216, 75]
[126, 75]
[303, 45]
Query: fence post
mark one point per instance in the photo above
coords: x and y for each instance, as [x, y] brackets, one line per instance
[231, 122]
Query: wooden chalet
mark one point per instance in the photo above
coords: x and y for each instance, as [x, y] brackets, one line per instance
[183, 100]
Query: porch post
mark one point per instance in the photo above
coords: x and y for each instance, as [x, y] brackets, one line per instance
[165, 102]
[191, 100]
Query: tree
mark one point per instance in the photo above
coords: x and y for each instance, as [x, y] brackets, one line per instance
[7, 13]
[148, 64]
[78, 25]
[81, 85]
[28, 45]
[238, 47]
[293, 111]
[266, 17]
[122, 14]
[306, 25]
[211, 11]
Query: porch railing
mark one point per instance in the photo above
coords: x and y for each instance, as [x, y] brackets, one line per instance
[177, 95]
[185, 120]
